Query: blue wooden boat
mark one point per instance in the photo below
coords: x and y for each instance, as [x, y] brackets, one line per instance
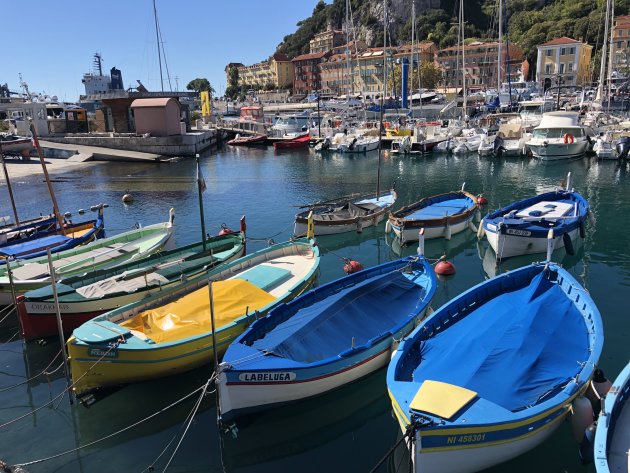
[53, 239]
[328, 337]
[493, 373]
[612, 437]
[521, 228]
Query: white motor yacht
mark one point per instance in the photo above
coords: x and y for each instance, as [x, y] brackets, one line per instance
[559, 136]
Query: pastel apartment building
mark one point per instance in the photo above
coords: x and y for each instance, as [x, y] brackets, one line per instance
[566, 58]
[621, 45]
[277, 71]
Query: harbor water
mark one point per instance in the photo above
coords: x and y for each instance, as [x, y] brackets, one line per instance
[351, 429]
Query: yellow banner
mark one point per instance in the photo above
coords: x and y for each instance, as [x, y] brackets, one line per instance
[206, 110]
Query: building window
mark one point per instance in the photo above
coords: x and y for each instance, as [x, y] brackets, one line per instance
[570, 67]
[563, 51]
[548, 53]
[561, 68]
[572, 51]
[547, 68]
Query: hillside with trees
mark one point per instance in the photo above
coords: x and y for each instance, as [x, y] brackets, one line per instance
[529, 22]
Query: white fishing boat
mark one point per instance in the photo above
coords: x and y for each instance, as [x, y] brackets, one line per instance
[559, 136]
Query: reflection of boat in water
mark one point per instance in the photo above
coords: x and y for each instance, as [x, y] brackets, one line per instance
[493, 267]
[434, 248]
[315, 425]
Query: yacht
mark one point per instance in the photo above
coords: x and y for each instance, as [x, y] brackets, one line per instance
[559, 136]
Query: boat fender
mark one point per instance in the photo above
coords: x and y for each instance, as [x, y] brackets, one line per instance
[587, 446]
[225, 229]
[480, 231]
[581, 417]
[388, 227]
[582, 229]
[472, 227]
[351, 266]
[444, 268]
[127, 198]
[481, 200]
[597, 390]
[568, 139]
[568, 244]
[591, 217]
[448, 231]
[359, 226]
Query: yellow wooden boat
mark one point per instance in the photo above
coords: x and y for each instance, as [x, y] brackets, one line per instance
[170, 332]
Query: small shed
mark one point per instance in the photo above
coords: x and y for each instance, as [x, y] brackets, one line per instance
[159, 116]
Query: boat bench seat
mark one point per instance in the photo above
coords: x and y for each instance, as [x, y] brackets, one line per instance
[265, 277]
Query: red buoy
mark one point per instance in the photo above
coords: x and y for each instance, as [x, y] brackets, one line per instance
[481, 200]
[444, 268]
[351, 266]
[225, 230]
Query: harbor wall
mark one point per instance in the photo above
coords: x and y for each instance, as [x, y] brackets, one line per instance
[176, 145]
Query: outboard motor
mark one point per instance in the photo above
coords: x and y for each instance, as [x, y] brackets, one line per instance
[326, 143]
[351, 146]
[498, 146]
[623, 147]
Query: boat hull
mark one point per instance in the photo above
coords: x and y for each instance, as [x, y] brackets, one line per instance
[505, 245]
[557, 151]
[237, 399]
[411, 234]
[469, 457]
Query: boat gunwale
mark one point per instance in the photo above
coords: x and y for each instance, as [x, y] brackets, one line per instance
[398, 218]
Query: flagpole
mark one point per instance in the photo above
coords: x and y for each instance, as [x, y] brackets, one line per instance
[201, 187]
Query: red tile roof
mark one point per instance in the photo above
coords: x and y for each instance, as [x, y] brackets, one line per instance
[306, 57]
[563, 40]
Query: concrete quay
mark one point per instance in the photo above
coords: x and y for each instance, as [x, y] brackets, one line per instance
[130, 144]
[81, 153]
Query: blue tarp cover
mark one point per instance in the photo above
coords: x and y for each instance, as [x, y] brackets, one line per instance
[327, 327]
[513, 349]
[40, 243]
[441, 209]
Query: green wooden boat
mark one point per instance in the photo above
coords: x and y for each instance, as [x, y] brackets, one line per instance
[83, 297]
[104, 253]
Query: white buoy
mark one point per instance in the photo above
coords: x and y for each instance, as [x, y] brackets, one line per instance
[480, 231]
[127, 198]
[447, 230]
[421, 242]
[388, 227]
[550, 244]
[581, 418]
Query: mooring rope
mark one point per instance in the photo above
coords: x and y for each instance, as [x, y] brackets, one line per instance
[124, 429]
[411, 428]
[44, 371]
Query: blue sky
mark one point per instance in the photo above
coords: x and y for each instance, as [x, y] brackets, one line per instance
[51, 42]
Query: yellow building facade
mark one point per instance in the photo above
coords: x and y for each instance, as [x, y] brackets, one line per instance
[564, 58]
[277, 71]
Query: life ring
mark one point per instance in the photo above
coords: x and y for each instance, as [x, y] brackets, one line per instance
[568, 139]
[386, 125]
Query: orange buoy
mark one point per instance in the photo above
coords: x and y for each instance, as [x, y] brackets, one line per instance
[481, 200]
[225, 230]
[444, 268]
[351, 266]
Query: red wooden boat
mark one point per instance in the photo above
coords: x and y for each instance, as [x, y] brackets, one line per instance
[248, 140]
[298, 142]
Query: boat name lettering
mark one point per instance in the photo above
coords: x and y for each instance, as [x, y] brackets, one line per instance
[512, 231]
[46, 307]
[103, 353]
[264, 377]
[458, 439]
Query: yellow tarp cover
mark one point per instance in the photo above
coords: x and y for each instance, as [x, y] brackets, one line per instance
[190, 315]
[441, 399]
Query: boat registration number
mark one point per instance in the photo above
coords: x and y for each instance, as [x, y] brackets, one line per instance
[512, 231]
[458, 439]
[267, 377]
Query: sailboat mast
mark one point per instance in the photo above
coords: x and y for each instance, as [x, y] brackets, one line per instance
[157, 40]
[499, 61]
[461, 22]
[384, 48]
[350, 76]
[602, 65]
[610, 56]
